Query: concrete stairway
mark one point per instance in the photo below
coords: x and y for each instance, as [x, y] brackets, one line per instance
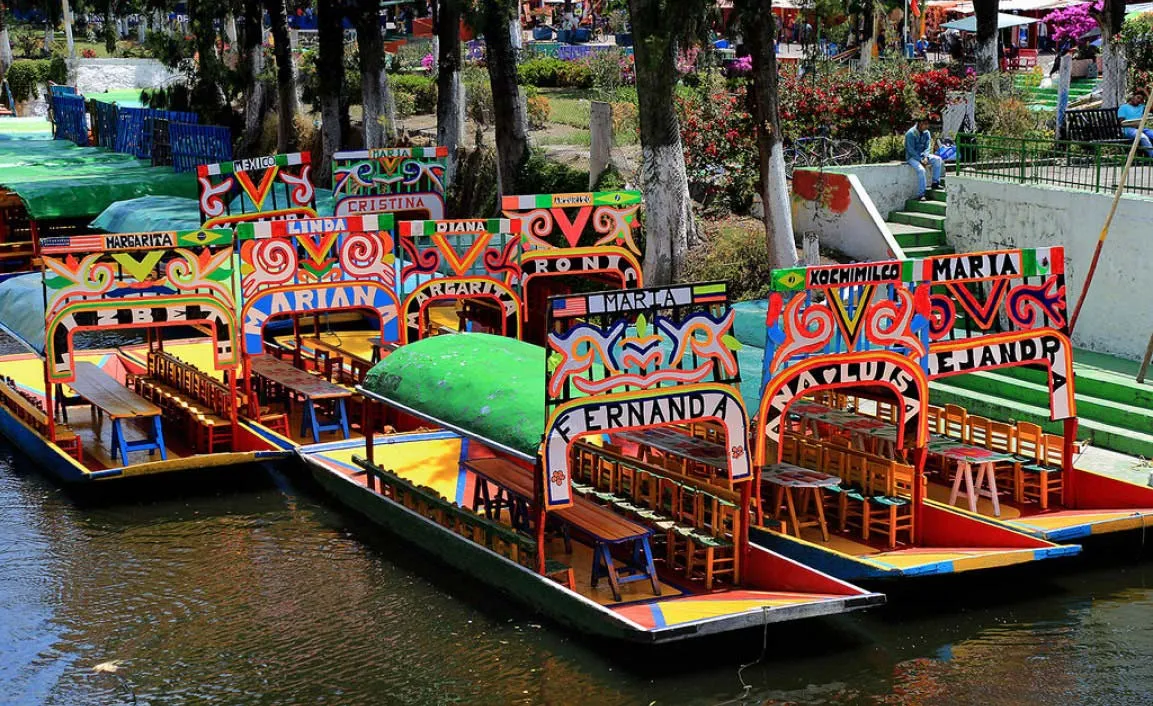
[1115, 411]
[1046, 98]
[920, 227]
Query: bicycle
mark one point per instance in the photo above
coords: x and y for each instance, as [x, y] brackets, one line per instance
[821, 151]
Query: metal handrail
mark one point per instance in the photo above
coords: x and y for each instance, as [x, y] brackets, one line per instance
[1086, 166]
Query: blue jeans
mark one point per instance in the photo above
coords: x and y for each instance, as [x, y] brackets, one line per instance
[936, 163]
[1146, 142]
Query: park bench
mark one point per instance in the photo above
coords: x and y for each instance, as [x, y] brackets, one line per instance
[1025, 60]
[1096, 125]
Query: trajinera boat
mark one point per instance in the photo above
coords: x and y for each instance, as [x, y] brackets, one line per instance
[850, 351]
[519, 465]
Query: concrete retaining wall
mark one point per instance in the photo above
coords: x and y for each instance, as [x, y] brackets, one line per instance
[888, 184]
[99, 75]
[1118, 314]
[838, 207]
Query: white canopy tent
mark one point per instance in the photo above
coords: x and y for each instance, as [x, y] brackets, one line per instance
[969, 24]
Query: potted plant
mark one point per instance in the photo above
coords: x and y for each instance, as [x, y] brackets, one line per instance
[618, 24]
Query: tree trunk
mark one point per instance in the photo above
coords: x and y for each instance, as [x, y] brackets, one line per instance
[1114, 68]
[986, 52]
[330, 66]
[287, 99]
[449, 88]
[868, 25]
[109, 28]
[507, 102]
[756, 28]
[207, 92]
[255, 97]
[668, 207]
[5, 43]
[376, 95]
[68, 41]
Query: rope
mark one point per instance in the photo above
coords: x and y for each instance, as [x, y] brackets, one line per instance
[747, 688]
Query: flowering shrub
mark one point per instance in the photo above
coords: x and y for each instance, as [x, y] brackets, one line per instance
[720, 148]
[741, 66]
[428, 62]
[88, 54]
[1070, 23]
[720, 140]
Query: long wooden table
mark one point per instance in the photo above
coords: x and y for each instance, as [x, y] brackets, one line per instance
[311, 388]
[786, 477]
[116, 401]
[966, 456]
[669, 441]
[605, 527]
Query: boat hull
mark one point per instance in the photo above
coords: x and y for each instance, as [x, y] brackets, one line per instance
[58, 464]
[954, 542]
[540, 593]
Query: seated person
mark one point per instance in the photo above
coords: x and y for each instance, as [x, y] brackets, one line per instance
[919, 155]
[1133, 111]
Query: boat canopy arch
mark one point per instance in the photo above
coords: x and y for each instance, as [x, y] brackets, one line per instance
[134, 281]
[277, 187]
[1013, 311]
[406, 181]
[459, 260]
[314, 266]
[885, 371]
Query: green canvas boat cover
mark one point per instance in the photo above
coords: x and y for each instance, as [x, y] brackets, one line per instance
[489, 385]
[86, 195]
[125, 98]
[149, 213]
[25, 129]
[749, 322]
[22, 309]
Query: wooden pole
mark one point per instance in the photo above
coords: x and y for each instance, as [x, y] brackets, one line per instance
[1112, 211]
[601, 140]
[1069, 487]
[234, 412]
[1145, 361]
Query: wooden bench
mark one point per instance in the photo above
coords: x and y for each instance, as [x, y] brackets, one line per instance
[190, 394]
[29, 410]
[1096, 125]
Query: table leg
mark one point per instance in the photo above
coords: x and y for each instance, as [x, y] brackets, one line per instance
[792, 510]
[310, 406]
[115, 444]
[956, 484]
[342, 415]
[970, 490]
[121, 442]
[611, 571]
[158, 438]
[818, 497]
[987, 473]
[647, 550]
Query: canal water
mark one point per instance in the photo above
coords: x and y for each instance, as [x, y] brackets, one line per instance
[262, 592]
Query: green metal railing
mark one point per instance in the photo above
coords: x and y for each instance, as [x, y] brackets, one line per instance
[1088, 166]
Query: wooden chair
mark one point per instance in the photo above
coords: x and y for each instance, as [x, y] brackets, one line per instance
[954, 422]
[836, 462]
[935, 417]
[887, 411]
[1002, 438]
[560, 572]
[789, 448]
[1045, 478]
[977, 431]
[890, 513]
[851, 501]
[809, 455]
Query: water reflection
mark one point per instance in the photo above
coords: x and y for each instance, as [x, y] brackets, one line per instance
[264, 593]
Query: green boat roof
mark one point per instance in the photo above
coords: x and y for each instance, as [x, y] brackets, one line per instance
[149, 213]
[488, 385]
[22, 309]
